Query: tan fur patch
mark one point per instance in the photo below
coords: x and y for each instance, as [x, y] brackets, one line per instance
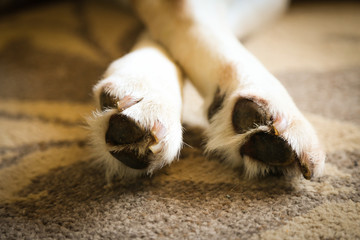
[227, 73]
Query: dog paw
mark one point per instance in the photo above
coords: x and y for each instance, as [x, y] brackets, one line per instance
[134, 132]
[263, 136]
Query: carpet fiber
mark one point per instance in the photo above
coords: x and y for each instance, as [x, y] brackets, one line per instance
[52, 54]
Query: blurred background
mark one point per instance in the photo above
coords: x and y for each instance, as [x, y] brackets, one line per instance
[57, 50]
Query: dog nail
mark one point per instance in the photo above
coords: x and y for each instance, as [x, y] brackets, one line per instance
[274, 130]
[156, 148]
[306, 172]
[280, 124]
[306, 166]
[158, 131]
[126, 102]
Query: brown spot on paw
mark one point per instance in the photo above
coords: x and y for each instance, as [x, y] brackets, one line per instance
[247, 115]
[107, 101]
[227, 72]
[269, 149]
[123, 130]
[131, 159]
[216, 104]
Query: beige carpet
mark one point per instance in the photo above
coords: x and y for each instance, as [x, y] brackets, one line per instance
[51, 55]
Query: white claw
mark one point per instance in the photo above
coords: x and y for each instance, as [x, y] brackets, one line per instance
[280, 125]
[276, 132]
[156, 148]
[158, 131]
[126, 102]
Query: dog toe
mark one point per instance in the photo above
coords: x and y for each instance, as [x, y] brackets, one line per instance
[107, 101]
[135, 145]
[132, 159]
[269, 149]
[247, 115]
[123, 130]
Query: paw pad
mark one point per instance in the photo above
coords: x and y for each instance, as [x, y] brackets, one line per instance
[132, 159]
[134, 145]
[248, 115]
[265, 146]
[269, 149]
[123, 130]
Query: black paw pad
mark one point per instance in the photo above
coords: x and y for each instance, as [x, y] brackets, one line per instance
[131, 159]
[107, 101]
[247, 115]
[123, 130]
[269, 149]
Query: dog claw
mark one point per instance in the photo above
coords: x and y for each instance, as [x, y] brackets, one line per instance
[306, 172]
[107, 102]
[280, 124]
[274, 131]
[156, 148]
[306, 167]
[126, 102]
[158, 131]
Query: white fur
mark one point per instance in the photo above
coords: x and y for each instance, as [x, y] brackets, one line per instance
[198, 36]
[146, 73]
[201, 36]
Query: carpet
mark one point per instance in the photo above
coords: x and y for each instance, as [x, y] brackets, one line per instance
[52, 54]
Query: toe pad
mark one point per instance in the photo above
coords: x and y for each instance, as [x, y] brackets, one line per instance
[269, 149]
[247, 115]
[123, 130]
[131, 159]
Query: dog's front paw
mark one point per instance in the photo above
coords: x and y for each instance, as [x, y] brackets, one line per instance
[131, 136]
[136, 128]
[263, 136]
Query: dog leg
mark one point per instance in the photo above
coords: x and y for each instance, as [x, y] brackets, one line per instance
[136, 128]
[253, 121]
[246, 17]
